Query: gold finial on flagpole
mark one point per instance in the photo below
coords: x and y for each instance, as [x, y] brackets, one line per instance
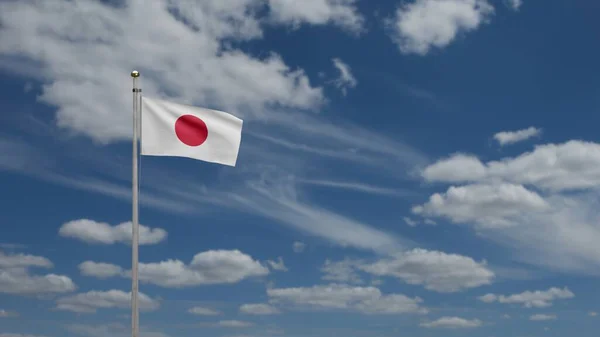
[135, 74]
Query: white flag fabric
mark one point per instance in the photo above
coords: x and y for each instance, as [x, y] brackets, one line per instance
[173, 129]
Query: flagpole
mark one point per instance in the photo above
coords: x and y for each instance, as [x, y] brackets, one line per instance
[135, 219]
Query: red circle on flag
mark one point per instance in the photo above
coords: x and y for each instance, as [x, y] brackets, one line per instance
[191, 130]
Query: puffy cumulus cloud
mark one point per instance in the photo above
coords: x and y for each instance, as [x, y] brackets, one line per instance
[555, 167]
[345, 79]
[489, 206]
[201, 311]
[278, 265]
[367, 300]
[15, 277]
[511, 137]
[453, 323]
[109, 329]
[91, 231]
[552, 203]
[99, 269]
[573, 165]
[434, 270]
[23, 261]
[259, 309]
[458, 168]
[210, 267]
[422, 25]
[542, 317]
[342, 13]
[341, 271]
[90, 301]
[531, 299]
[85, 64]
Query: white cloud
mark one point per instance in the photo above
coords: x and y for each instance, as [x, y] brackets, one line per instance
[7, 313]
[105, 45]
[23, 261]
[15, 277]
[299, 247]
[489, 206]
[434, 270]
[458, 168]
[259, 309]
[342, 13]
[277, 265]
[209, 267]
[422, 25]
[531, 299]
[282, 204]
[91, 231]
[453, 323]
[90, 301]
[367, 300]
[345, 80]
[511, 137]
[234, 324]
[515, 4]
[542, 317]
[341, 271]
[100, 270]
[110, 329]
[410, 222]
[592, 314]
[565, 177]
[573, 165]
[360, 187]
[203, 311]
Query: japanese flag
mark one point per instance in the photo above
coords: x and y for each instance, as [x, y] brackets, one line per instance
[173, 129]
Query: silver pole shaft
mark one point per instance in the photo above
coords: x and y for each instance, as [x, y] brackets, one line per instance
[134, 219]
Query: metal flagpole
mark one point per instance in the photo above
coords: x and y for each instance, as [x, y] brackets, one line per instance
[134, 219]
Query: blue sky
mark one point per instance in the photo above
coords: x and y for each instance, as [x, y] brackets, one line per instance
[414, 168]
